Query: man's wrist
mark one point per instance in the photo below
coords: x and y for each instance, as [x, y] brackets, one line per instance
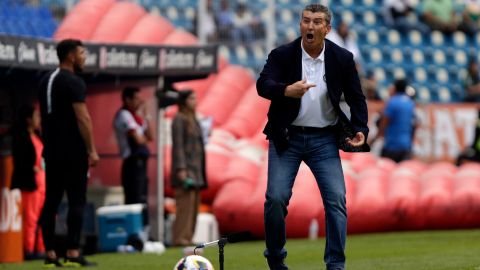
[286, 90]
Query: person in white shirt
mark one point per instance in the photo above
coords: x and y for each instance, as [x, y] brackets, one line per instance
[133, 134]
[243, 24]
[342, 37]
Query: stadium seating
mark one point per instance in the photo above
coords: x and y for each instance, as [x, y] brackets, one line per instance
[398, 54]
[21, 19]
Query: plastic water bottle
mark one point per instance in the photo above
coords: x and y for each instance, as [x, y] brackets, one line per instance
[313, 230]
[125, 249]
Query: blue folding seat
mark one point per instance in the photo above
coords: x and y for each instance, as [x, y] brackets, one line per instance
[439, 58]
[285, 16]
[375, 56]
[224, 51]
[171, 13]
[347, 17]
[241, 54]
[373, 37]
[423, 95]
[44, 13]
[415, 38]
[460, 58]
[370, 4]
[420, 75]
[417, 57]
[348, 4]
[396, 56]
[394, 38]
[379, 74]
[444, 95]
[459, 39]
[370, 19]
[442, 76]
[437, 39]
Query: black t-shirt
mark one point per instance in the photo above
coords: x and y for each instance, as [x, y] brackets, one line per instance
[62, 140]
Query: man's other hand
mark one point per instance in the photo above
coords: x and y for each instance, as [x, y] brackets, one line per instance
[357, 141]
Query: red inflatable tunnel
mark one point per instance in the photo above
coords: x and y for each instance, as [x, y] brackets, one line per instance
[218, 154]
[224, 94]
[180, 37]
[151, 29]
[118, 22]
[253, 212]
[247, 117]
[83, 20]
[239, 182]
[435, 202]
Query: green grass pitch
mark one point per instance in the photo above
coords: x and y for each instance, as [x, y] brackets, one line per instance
[429, 250]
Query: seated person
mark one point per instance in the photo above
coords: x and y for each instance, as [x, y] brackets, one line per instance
[369, 86]
[342, 37]
[440, 15]
[400, 14]
[471, 83]
[471, 16]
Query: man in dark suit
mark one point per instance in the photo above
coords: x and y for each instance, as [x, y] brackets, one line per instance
[304, 81]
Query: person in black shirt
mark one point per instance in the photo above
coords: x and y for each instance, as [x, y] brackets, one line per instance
[68, 149]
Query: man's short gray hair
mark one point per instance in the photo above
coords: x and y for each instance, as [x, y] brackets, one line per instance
[319, 8]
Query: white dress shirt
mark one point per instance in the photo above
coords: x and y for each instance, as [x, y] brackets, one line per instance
[316, 110]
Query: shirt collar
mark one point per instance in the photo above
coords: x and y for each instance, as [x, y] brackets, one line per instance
[305, 55]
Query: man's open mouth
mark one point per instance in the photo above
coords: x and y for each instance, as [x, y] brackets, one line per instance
[309, 37]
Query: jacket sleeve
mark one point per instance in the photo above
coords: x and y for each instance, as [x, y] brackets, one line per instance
[270, 84]
[178, 144]
[355, 98]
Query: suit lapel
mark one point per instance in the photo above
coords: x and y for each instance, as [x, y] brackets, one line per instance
[333, 79]
[297, 61]
[329, 71]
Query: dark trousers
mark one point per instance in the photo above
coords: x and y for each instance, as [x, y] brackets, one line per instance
[62, 176]
[135, 182]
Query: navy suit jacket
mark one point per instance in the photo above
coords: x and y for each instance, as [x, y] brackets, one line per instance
[284, 67]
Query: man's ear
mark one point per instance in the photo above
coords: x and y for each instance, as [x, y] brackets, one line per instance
[71, 57]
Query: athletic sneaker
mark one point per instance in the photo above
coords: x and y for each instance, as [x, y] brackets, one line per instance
[52, 263]
[79, 261]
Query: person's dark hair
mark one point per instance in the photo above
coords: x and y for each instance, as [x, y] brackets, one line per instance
[67, 46]
[319, 8]
[183, 96]
[129, 92]
[400, 85]
[186, 112]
